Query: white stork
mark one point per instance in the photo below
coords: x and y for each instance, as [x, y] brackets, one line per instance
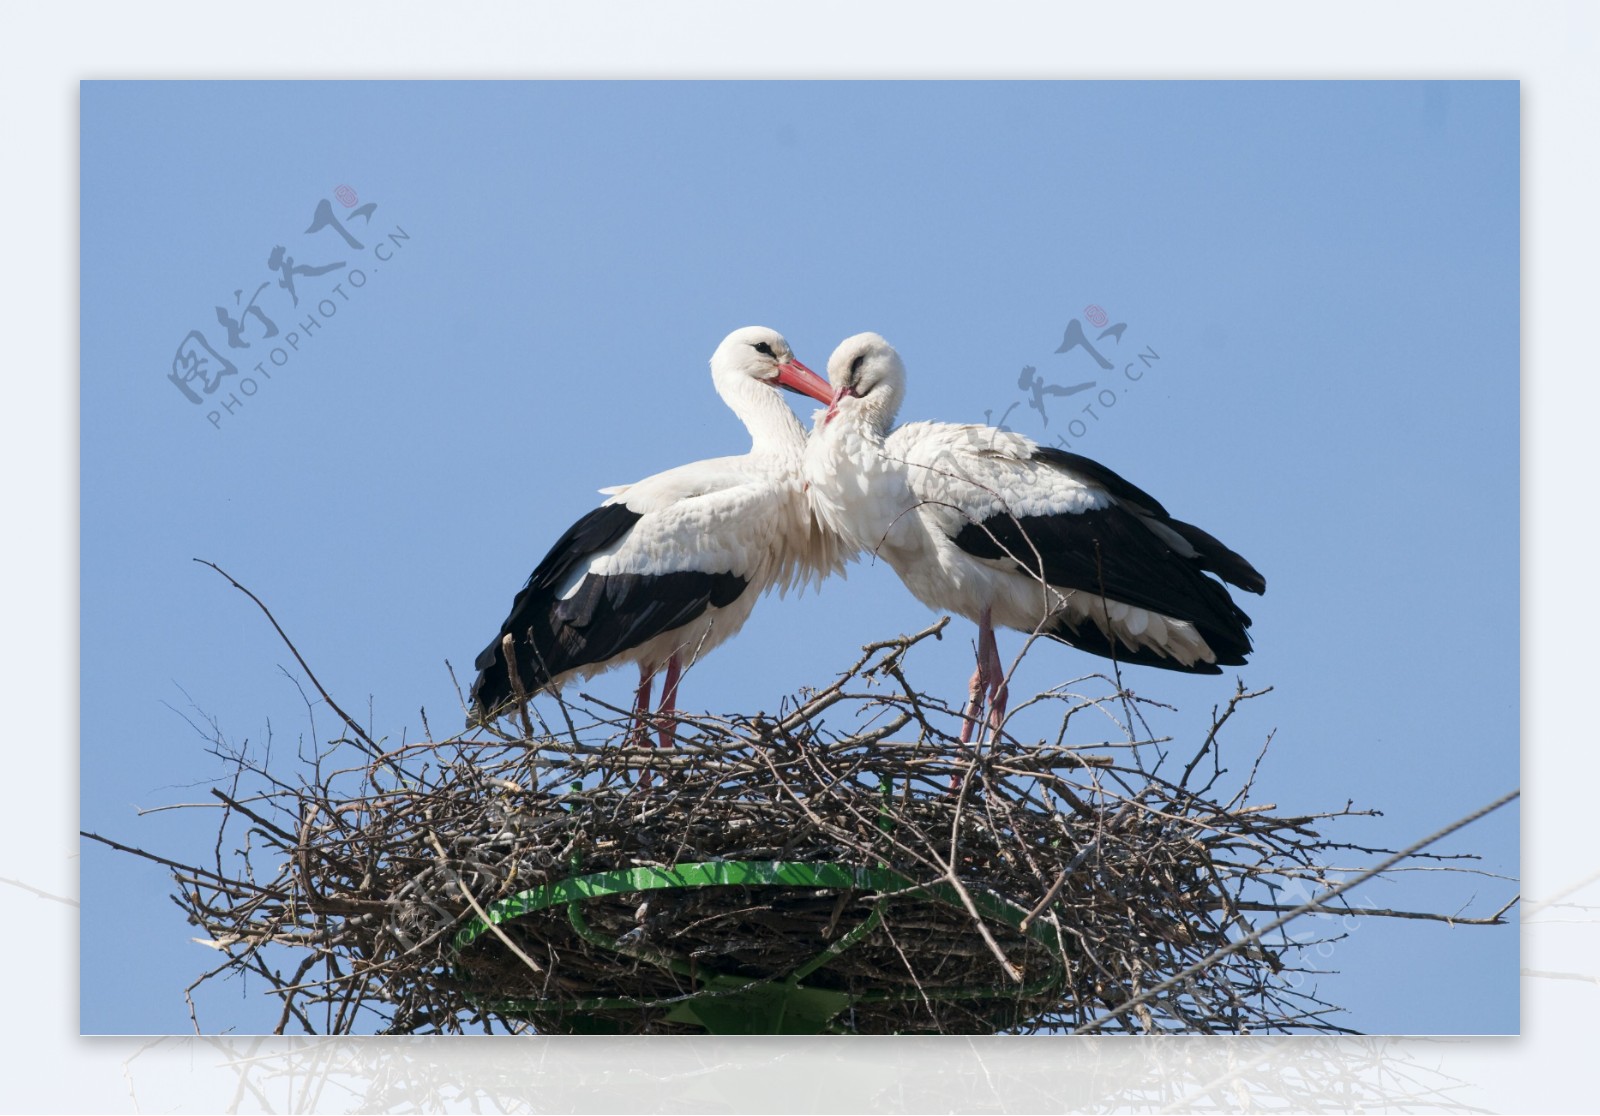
[991, 525]
[671, 566]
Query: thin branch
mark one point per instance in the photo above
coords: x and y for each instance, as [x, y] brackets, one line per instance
[295, 651]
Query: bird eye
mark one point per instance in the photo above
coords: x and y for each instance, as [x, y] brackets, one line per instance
[765, 349]
[855, 365]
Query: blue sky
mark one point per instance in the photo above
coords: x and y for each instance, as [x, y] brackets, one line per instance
[1328, 271]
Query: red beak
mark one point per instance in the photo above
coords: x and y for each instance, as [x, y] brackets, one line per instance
[833, 404]
[794, 376]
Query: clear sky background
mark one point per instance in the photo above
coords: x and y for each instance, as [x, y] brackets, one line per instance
[1328, 271]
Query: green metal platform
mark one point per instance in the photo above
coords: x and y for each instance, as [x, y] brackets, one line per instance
[728, 1004]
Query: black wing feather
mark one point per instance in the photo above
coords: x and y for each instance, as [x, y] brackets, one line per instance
[1227, 565]
[605, 617]
[592, 533]
[1096, 473]
[1089, 637]
[1114, 552]
[1215, 557]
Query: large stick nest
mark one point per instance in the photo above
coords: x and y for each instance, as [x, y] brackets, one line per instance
[1011, 886]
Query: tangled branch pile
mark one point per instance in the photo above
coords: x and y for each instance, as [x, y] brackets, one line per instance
[769, 873]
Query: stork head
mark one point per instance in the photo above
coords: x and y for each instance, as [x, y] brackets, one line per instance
[869, 380]
[762, 354]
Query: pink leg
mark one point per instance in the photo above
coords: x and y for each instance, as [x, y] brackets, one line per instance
[978, 688]
[998, 691]
[982, 685]
[667, 728]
